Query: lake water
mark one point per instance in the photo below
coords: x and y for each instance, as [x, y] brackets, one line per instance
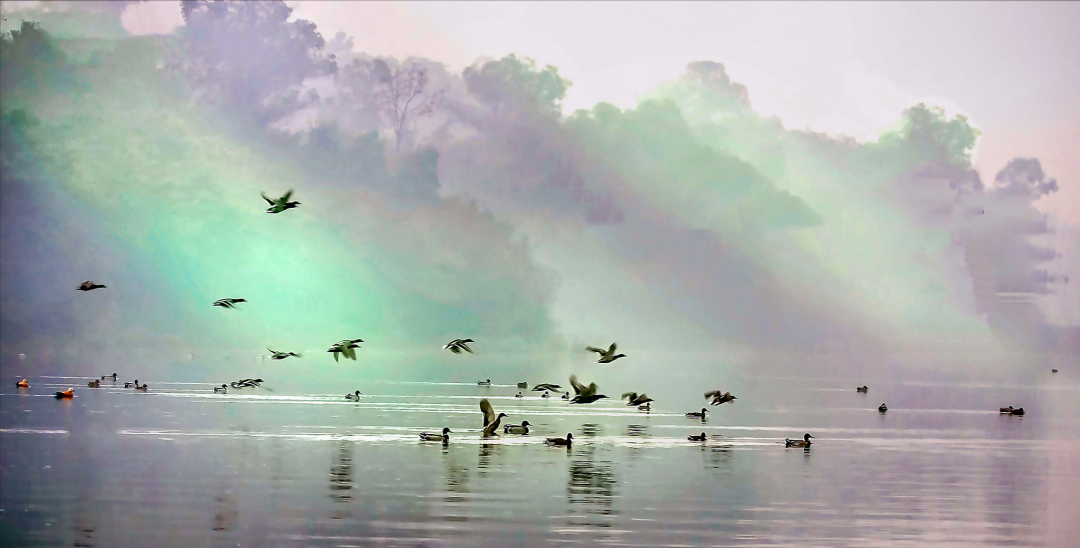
[182, 466]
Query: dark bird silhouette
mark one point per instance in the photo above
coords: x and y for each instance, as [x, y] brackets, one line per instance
[246, 383]
[547, 386]
[282, 355]
[633, 398]
[222, 389]
[228, 303]
[883, 408]
[719, 398]
[585, 394]
[566, 442]
[695, 437]
[491, 420]
[606, 356]
[863, 389]
[457, 345]
[89, 286]
[355, 396]
[281, 204]
[696, 415]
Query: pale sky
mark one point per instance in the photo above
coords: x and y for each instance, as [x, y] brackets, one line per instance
[835, 67]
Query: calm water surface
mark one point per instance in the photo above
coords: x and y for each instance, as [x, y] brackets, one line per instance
[182, 466]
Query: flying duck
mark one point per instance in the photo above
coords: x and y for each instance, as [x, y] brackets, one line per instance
[696, 415]
[569, 439]
[345, 348]
[444, 437]
[491, 420]
[719, 398]
[606, 356]
[282, 355]
[883, 408]
[69, 393]
[633, 398]
[222, 389]
[228, 303]
[805, 442]
[245, 383]
[354, 396]
[695, 437]
[585, 394]
[457, 345]
[522, 428]
[863, 389]
[547, 386]
[281, 204]
[22, 384]
[89, 286]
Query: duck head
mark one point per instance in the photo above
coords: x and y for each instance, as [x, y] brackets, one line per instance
[807, 436]
[525, 423]
[445, 431]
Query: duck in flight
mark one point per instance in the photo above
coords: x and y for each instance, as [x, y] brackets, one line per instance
[697, 415]
[457, 345]
[606, 356]
[89, 286]
[719, 397]
[491, 420]
[805, 442]
[547, 386]
[281, 204]
[633, 398]
[585, 394]
[444, 437]
[245, 383]
[282, 355]
[345, 348]
[228, 303]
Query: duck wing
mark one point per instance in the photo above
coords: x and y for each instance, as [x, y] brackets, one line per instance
[578, 387]
[267, 198]
[349, 352]
[611, 351]
[591, 390]
[713, 394]
[595, 349]
[630, 396]
[286, 197]
[489, 412]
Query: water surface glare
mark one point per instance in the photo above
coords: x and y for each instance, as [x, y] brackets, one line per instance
[181, 466]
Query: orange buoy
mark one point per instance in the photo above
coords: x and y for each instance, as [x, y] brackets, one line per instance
[22, 384]
[69, 393]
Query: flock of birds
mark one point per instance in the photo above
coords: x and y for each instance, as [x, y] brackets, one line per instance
[583, 394]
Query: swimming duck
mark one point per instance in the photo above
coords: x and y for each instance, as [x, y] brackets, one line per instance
[696, 415]
[1053, 370]
[1012, 410]
[354, 396]
[444, 437]
[143, 387]
[585, 394]
[484, 383]
[546, 395]
[522, 428]
[606, 356]
[69, 393]
[89, 286]
[457, 345]
[281, 204]
[863, 389]
[523, 385]
[228, 303]
[694, 437]
[491, 420]
[805, 442]
[114, 377]
[1005, 409]
[518, 395]
[94, 384]
[566, 396]
[547, 386]
[22, 384]
[883, 408]
[129, 385]
[569, 439]
[635, 399]
[645, 407]
[222, 389]
[719, 398]
[282, 355]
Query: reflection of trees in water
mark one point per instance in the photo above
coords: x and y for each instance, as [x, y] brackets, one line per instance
[341, 482]
[592, 479]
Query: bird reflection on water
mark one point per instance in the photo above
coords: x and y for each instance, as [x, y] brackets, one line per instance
[591, 486]
[341, 480]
